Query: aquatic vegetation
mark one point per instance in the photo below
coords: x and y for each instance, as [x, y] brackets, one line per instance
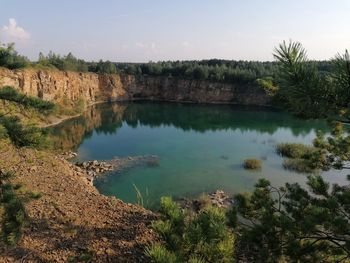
[252, 164]
[294, 150]
[298, 165]
[328, 153]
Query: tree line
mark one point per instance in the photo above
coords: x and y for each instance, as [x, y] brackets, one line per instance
[216, 70]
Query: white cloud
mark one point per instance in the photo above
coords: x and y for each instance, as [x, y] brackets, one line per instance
[13, 32]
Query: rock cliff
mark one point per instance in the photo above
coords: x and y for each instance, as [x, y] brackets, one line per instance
[61, 86]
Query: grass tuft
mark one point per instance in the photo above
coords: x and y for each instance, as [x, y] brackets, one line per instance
[294, 150]
[252, 164]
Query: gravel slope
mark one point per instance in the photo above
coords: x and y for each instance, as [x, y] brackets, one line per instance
[72, 221]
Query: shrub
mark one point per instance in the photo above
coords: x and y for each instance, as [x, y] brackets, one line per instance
[304, 158]
[10, 94]
[294, 150]
[294, 224]
[3, 133]
[9, 58]
[158, 253]
[252, 164]
[201, 237]
[22, 136]
[267, 85]
[202, 201]
[12, 200]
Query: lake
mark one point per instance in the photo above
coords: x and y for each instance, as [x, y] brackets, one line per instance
[200, 147]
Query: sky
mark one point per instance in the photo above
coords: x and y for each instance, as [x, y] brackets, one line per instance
[153, 30]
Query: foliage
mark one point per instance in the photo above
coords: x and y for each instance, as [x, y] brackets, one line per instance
[268, 85]
[10, 94]
[299, 165]
[202, 237]
[295, 225]
[11, 125]
[307, 91]
[12, 200]
[334, 150]
[303, 89]
[21, 135]
[158, 253]
[294, 150]
[252, 164]
[340, 79]
[67, 63]
[103, 67]
[326, 153]
[240, 72]
[3, 132]
[253, 73]
[71, 63]
[9, 58]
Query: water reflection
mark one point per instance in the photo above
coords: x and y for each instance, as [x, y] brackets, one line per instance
[201, 147]
[107, 118]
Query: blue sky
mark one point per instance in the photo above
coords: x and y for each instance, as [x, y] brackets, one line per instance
[144, 30]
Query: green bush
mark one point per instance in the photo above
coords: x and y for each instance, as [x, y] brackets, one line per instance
[10, 94]
[252, 164]
[3, 132]
[22, 136]
[158, 253]
[192, 237]
[294, 224]
[12, 202]
[267, 85]
[9, 58]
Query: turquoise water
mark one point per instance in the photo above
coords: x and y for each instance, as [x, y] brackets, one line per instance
[201, 147]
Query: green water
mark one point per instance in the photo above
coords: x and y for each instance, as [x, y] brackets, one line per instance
[201, 147]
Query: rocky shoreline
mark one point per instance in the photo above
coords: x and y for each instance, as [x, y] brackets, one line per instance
[219, 198]
[96, 168]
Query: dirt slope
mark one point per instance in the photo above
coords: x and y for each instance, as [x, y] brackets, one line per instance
[72, 221]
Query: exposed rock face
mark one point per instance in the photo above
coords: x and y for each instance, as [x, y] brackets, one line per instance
[174, 89]
[60, 86]
[54, 85]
